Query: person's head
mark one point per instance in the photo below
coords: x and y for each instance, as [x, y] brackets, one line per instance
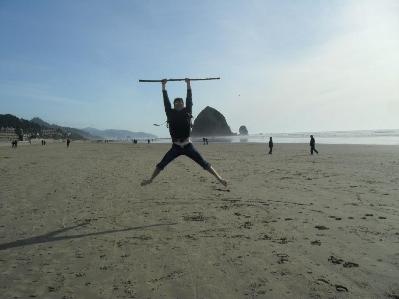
[178, 104]
[271, 138]
[311, 136]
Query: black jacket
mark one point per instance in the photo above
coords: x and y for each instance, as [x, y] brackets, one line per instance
[179, 121]
[312, 142]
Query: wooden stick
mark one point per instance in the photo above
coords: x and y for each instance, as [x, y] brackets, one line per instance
[200, 79]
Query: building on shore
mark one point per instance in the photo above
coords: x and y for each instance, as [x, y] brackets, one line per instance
[8, 133]
[51, 133]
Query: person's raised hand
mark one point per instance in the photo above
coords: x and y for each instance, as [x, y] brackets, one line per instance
[188, 82]
[164, 81]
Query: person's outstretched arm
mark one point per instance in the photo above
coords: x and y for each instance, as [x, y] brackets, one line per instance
[166, 102]
[189, 98]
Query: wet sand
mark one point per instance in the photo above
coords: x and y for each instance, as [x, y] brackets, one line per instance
[75, 223]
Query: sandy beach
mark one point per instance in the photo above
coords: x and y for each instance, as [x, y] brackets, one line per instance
[75, 223]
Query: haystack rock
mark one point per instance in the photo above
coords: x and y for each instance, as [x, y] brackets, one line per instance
[243, 130]
[211, 122]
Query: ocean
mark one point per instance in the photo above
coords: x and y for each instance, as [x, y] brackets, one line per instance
[381, 137]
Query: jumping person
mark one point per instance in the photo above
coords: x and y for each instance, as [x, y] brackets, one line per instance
[270, 146]
[179, 120]
[312, 145]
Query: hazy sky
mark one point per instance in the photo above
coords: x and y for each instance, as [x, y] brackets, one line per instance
[286, 66]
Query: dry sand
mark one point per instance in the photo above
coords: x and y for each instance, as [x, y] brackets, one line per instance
[75, 223]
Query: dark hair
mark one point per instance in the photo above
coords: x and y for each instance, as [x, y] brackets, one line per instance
[178, 100]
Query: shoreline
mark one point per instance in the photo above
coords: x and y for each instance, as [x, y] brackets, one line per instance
[320, 141]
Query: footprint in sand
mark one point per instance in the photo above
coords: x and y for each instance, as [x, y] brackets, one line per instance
[350, 265]
[265, 237]
[191, 237]
[341, 288]
[335, 260]
[198, 217]
[247, 225]
[224, 190]
[316, 242]
[338, 287]
[283, 257]
[321, 227]
[80, 274]
[323, 280]
[282, 240]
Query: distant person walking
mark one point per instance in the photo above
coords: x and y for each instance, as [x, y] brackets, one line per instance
[179, 120]
[270, 146]
[313, 145]
[68, 142]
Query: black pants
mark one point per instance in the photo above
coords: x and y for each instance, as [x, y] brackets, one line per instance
[270, 150]
[313, 149]
[189, 151]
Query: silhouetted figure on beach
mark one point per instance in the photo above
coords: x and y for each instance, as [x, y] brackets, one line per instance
[68, 142]
[14, 143]
[270, 146]
[206, 140]
[313, 145]
[179, 120]
[148, 141]
[203, 140]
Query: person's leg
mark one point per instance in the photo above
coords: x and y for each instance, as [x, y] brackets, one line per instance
[172, 154]
[311, 150]
[191, 152]
[213, 172]
[317, 152]
[153, 176]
